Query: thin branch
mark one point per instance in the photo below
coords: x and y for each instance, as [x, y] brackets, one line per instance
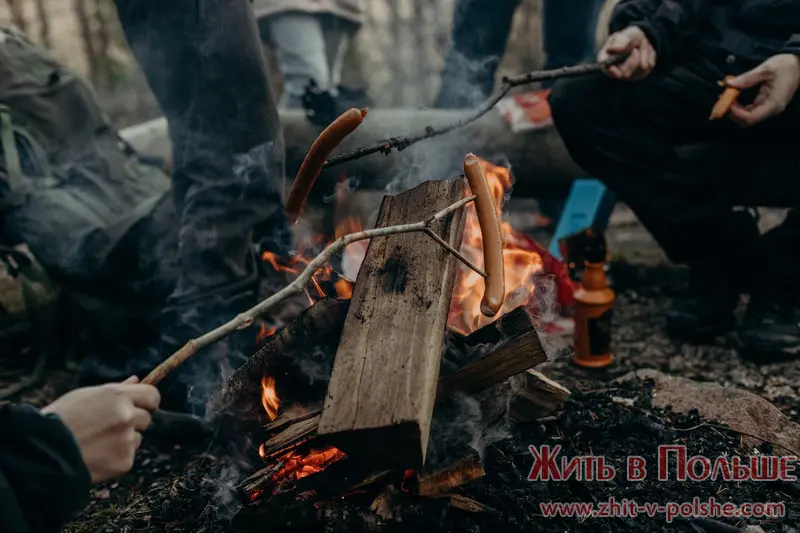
[401, 143]
[247, 318]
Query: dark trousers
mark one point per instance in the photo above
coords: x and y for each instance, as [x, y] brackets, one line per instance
[479, 37]
[630, 135]
[204, 62]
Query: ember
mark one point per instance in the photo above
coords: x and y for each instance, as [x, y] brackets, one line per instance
[299, 465]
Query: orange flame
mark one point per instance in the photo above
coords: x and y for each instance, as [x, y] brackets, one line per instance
[264, 332]
[269, 397]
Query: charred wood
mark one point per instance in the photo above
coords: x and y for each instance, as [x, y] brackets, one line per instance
[382, 391]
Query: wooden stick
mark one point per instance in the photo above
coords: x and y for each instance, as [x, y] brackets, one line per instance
[247, 318]
[403, 142]
[453, 475]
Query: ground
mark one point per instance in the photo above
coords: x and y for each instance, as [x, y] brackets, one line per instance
[181, 487]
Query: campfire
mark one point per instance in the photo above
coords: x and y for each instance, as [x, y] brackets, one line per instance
[351, 395]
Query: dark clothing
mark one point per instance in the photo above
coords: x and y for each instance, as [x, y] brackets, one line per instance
[204, 62]
[748, 29]
[479, 37]
[43, 479]
[630, 135]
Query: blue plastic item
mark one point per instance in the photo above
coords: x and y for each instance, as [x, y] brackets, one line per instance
[589, 205]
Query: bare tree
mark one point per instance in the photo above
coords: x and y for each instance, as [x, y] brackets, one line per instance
[17, 14]
[82, 14]
[44, 23]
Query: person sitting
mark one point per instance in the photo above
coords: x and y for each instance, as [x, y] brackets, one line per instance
[626, 127]
[49, 458]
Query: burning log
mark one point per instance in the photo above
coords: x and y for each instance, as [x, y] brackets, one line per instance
[382, 390]
[315, 331]
[516, 347]
[454, 475]
[539, 396]
[291, 437]
[290, 418]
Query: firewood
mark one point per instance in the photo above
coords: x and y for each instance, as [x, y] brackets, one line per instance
[454, 475]
[383, 386]
[257, 482]
[315, 330]
[291, 437]
[514, 356]
[292, 417]
[539, 396]
[457, 501]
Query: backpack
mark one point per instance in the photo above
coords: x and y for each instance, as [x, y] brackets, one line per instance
[88, 209]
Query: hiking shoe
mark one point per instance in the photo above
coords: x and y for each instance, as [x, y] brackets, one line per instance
[701, 318]
[708, 310]
[770, 331]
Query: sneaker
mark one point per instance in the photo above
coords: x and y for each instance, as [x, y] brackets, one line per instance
[770, 331]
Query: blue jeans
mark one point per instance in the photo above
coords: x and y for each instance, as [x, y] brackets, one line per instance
[480, 33]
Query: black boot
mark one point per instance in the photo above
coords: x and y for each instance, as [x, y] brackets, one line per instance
[770, 331]
[708, 311]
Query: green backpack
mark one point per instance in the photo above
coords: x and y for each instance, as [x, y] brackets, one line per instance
[73, 192]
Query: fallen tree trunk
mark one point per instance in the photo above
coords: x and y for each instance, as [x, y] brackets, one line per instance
[539, 159]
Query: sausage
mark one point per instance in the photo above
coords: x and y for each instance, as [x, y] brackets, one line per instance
[725, 101]
[327, 141]
[494, 292]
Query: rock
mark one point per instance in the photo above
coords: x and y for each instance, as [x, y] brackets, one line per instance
[744, 412]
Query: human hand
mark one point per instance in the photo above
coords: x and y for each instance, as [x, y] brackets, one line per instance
[778, 78]
[641, 54]
[107, 422]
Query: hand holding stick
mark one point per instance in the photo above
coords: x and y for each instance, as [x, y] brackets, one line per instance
[401, 143]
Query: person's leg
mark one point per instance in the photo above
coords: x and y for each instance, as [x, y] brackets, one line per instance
[479, 36]
[301, 51]
[626, 134]
[338, 34]
[771, 326]
[204, 63]
[570, 29]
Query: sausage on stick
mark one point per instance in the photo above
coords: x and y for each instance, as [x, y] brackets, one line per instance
[494, 292]
[327, 141]
[725, 101]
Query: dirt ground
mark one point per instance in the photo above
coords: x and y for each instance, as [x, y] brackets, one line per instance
[182, 487]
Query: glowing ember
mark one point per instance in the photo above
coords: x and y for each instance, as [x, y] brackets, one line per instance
[299, 465]
[269, 397]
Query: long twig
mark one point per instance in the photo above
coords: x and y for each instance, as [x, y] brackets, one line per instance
[401, 143]
[247, 318]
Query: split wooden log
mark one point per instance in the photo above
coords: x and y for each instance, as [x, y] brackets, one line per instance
[383, 386]
[291, 437]
[453, 475]
[309, 341]
[290, 418]
[538, 397]
[515, 347]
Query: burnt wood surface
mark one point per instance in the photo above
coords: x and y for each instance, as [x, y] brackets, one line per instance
[514, 347]
[383, 386]
[539, 396]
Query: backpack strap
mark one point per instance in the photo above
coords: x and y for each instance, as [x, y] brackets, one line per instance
[10, 153]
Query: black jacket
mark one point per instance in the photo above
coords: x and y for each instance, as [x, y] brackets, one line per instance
[43, 479]
[751, 30]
